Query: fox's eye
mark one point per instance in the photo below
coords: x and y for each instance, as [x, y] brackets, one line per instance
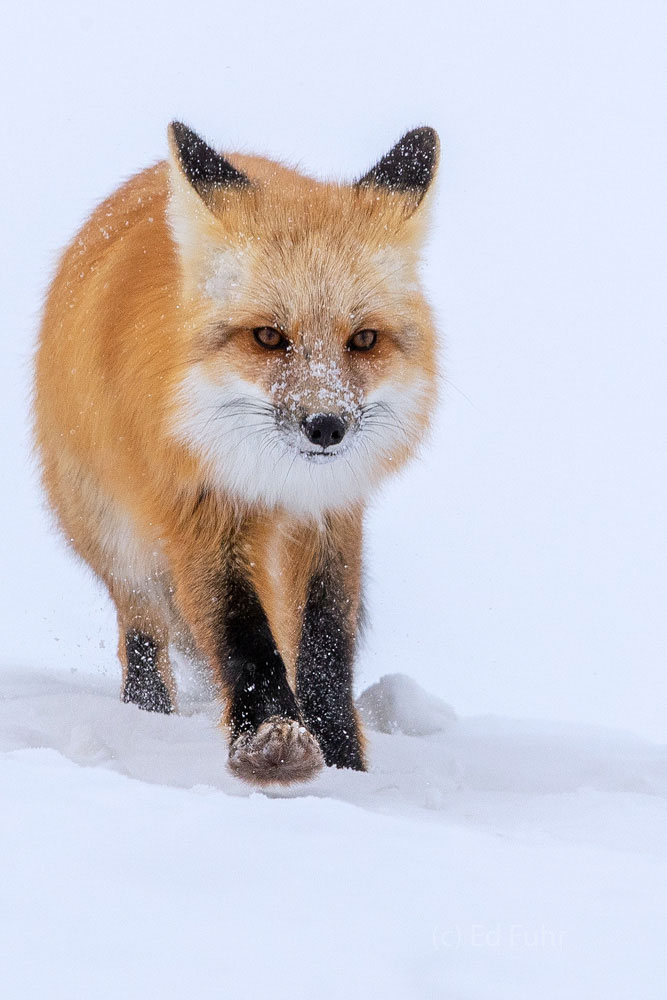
[269, 338]
[363, 341]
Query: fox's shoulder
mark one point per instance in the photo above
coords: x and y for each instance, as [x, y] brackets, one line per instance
[125, 242]
[141, 199]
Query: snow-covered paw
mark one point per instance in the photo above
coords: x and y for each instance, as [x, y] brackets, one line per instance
[280, 752]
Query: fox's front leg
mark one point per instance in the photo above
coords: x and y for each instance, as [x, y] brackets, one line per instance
[220, 603]
[270, 742]
[326, 654]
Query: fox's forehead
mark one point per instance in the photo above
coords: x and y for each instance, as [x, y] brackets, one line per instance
[307, 239]
[314, 278]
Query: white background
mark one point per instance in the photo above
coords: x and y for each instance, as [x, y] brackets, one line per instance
[518, 570]
[520, 567]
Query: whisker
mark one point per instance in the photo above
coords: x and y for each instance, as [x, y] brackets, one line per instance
[446, 379]
[350, 467]
[391, 413]
[237, 444]
[282, 488]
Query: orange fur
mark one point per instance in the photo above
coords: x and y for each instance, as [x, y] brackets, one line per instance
[139, 302]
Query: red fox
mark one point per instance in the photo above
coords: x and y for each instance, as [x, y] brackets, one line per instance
[232, 358]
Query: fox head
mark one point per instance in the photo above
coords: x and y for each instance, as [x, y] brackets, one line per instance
[312, 361]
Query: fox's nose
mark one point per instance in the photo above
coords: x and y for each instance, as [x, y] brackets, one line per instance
[324, 429]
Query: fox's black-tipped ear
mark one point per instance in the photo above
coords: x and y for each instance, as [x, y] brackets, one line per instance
[202, 166]
[409, 167]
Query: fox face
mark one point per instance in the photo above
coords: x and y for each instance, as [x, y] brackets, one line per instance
[310, 366]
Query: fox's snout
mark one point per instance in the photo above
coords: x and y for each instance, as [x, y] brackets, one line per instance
[324, 430]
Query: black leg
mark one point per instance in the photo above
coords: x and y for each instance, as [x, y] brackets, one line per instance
[255, 672]
[143, 685]
[270, 744]
[324, 673]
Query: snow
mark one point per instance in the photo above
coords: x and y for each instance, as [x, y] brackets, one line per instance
[482, 857]
[512, 845]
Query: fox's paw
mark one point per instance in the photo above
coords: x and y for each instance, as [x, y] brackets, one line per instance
[280, 752]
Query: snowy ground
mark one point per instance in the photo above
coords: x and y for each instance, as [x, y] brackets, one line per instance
[480, 857]
[519, 571]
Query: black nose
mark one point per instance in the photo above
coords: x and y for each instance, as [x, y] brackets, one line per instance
[324, 429]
